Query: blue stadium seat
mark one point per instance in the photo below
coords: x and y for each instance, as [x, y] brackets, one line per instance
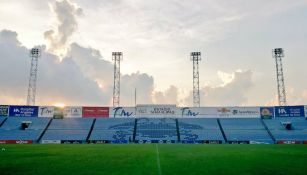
[156, 130]
[249, 130]
[11, 129]
[113, 130]
[298, 131]
[199, 130]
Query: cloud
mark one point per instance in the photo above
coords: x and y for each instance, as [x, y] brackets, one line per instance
[96, 68]
[169, 96]
[232, 92]
[66, 15]
[294, 97]
[56, 81]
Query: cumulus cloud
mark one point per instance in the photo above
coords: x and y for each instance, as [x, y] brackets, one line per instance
[232, 91]
[57, 81]
[294, 97]
[66, 14]
[95, 67]
[169, 96]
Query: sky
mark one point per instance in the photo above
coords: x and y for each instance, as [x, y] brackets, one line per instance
[77, 38]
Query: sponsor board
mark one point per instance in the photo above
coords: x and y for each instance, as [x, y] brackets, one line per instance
[289, 111]
[51, 141]
[257, 142]
[71, 141]
[220, 112]
[122, 112]
[267, 112]
[4, 110]
[16, 141]
[73, 112]
[45, 111]
[58, 113]
[23, 111]
[95, 112]
[157, 111]
[289, 142]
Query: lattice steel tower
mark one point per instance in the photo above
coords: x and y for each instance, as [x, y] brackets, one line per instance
[195, 57]
[278, 53]
[117, 57]
[35, 53]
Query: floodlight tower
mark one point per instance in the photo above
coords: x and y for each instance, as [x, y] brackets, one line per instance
[117, 57]
[195, 57]
[35, 53]
[278, 53]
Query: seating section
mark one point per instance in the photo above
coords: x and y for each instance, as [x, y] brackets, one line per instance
[156, 130]
[297, 132]
[245, 130]
[69, 130]
[12, 129]
[200, 130]
[113, 130]
[153, 130]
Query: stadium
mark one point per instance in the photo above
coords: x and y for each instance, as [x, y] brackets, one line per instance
[153, 139]
[82, 114]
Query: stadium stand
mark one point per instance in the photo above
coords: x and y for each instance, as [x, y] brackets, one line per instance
[287, 129]
[113, 130]
[156, 130]
[202, 130]
[153, 130]
[25, 128]
[69, 130]
[245, 130]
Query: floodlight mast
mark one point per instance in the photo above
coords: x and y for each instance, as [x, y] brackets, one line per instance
[35, 53]
[278, 53]
[117, 57]
[196, 57]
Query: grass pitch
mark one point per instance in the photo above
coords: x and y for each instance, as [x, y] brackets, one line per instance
[153, 159]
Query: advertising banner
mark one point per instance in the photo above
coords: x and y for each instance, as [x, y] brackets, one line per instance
[220, 112]
[51, 141]
[95, 112]
[267, 112]
[4, 110]
[58, 113]
[157, 111]
[23, 111]
[122, 112]
[73, 112]
[45, 111]
[306, 111]
[16, 141]
[289, 111]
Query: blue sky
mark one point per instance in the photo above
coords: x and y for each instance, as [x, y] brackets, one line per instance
[156, 37]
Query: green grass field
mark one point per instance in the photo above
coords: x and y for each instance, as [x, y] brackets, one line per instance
[158, 159]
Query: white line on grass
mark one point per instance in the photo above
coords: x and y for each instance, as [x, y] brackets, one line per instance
[158, 160]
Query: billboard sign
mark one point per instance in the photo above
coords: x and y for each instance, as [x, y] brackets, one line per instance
[95, 112]
[73, 112]
[4, 110]
[23, 111]
[45, 111]
[122, 112]
[157, 111]
[219, 112]
[267, 112]
[16, 141]
[51, 141]
[289, 111]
